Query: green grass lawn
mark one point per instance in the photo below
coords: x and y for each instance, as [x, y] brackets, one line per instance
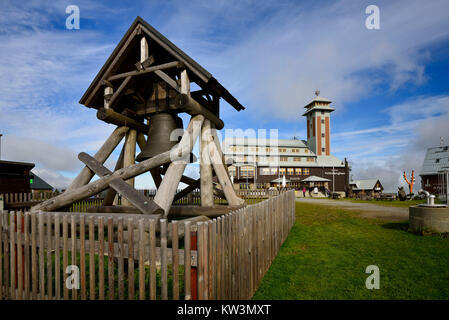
[328, 250]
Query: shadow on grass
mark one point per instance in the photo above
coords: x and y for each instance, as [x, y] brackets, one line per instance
[403, 226]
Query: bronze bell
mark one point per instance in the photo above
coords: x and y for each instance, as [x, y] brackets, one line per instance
[161, 127]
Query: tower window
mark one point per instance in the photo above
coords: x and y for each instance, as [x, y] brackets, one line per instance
[323, 149]
[322, 135]
[322, 121]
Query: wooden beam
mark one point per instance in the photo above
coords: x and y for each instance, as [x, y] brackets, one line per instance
[119, 91]
[101, 184]
[143, 49]
[166, 192]
[223, 177]
[110, 116]
[129, 157]
[161, 74]
[112, 66]
[184, 192]
[105, 151]
[110, 194]
[164, 66]
[145, 205]
[207, 192]
[108, 93]
[194, 211]
[192, 107]
[185, 82]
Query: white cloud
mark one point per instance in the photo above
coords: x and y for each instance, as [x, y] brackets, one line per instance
[275, 64]
[385, 152]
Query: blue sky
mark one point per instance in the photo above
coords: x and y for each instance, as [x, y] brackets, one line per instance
[389, 86]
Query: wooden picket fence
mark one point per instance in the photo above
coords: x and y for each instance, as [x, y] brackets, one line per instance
[24, 201]
[131, 256]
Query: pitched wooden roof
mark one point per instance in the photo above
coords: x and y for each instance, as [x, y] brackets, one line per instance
[126, 54]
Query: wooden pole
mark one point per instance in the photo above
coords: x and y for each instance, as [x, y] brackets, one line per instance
[129, 157]
[192, 107]
[110, 116]
[166, 192]
[110, 194]
[105, 151]
[207, 192]
[223, 177]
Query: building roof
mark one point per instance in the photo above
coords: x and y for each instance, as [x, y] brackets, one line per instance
[320, 161]
[235, 141]
[124, 55]
[279, 180]
[16, 163]
[39, 184]
[315, 179]
[437, 158]
[319, 108]
[367, 184]
[318, 99]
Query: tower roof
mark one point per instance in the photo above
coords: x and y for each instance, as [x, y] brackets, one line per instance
[318, 103]
[125, 55]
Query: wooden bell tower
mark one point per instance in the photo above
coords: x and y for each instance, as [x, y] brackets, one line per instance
[145, 77]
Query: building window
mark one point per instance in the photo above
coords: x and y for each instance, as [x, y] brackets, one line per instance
[306, 150]
[295, 150]
[244, 186]
[298, 171]
[282, 171]
[323, 135]
[322, 121]
[282, 150]
[284, 159]
[310, 159]
[274, 171]
[305, 171]
[265, 171]
[297, 159]
[290, 171]
[268, 149]
[437, 161]
[247, 172]
[323, 149]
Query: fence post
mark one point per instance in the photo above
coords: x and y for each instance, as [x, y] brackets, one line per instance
[188, 274]
[200, 262]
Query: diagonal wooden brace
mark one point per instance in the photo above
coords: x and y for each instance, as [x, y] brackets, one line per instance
[145, 205]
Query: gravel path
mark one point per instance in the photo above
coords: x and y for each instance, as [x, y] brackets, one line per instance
[367, 210]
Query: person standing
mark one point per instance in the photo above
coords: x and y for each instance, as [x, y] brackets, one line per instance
[304, 191]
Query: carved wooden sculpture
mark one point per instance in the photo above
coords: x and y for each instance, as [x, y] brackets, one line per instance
[411, 182]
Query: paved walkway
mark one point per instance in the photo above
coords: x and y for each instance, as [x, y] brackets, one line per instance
[367, 210]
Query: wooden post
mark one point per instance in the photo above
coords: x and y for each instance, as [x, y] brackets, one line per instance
[207, 192]
[110, 194]
[223, 177]
[108, 91]
[188, 276]
[111, 143]
[143, 49]
[129, 158]
[166, 192]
